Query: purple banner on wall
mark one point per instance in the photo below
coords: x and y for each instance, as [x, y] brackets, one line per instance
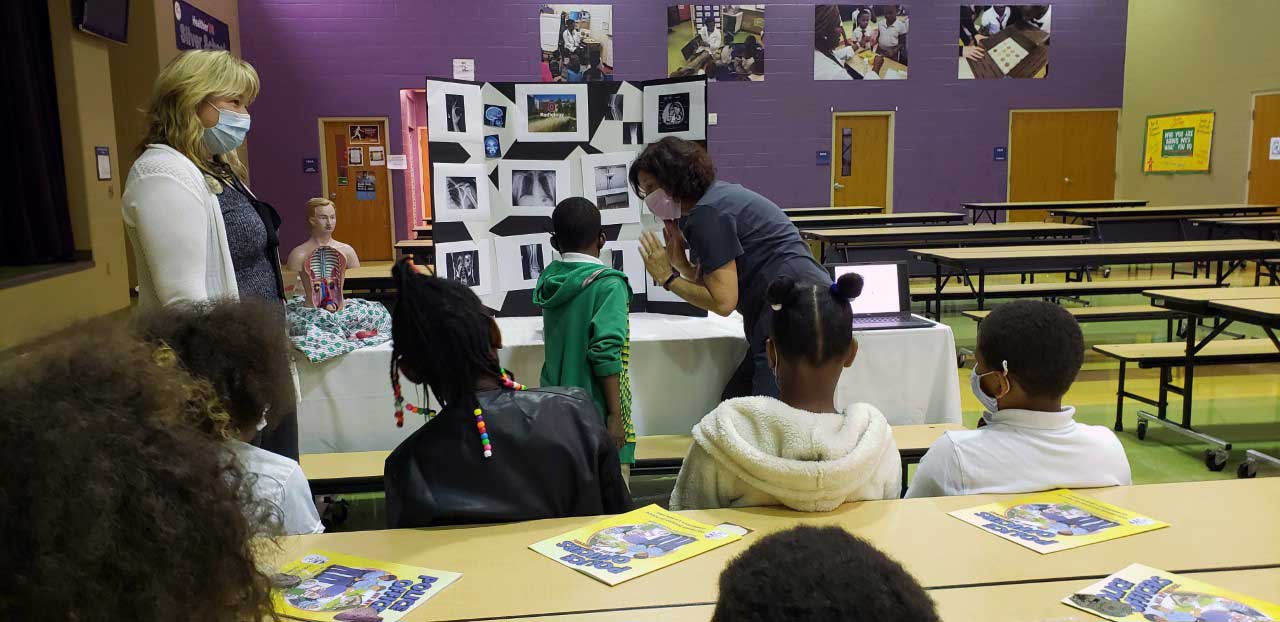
[194, 29]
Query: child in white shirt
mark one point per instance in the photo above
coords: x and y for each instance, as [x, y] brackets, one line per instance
[1028, 354]
[241, 349]
[799, 450]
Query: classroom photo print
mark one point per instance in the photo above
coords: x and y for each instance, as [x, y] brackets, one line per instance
[724, 42]
[1004, 41]
[860, 41]
[573, 39]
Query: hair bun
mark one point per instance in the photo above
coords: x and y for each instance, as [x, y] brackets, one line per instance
[848, 286]
[780, 292]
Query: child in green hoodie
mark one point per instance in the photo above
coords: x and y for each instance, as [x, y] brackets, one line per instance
[584, 313]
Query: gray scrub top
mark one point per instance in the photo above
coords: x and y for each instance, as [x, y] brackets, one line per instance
[733, 223]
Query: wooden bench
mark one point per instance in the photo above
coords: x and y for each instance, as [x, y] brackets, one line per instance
[1116, 313]
[1166, 356]
[361, 471]
[960, 291]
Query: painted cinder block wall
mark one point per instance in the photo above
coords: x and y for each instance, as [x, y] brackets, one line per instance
[351, 58]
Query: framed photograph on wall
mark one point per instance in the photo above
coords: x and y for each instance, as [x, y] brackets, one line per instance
[1004, 41]
[552, 113]
[521, 260]
[363, 134]
[455, 112]
[469, 262]
[605, 182]
[534, 187]
[355, 156]
[860, 41]
[461, 193]
[675, 109]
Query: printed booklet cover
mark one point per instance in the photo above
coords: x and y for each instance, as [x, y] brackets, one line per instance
[329, 587]
[628, 545]
[1057, 520]
[1141, 594]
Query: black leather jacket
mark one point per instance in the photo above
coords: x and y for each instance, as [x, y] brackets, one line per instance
[552, 457]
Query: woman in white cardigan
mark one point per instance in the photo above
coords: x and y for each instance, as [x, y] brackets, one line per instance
[175, 193]
[197, 231]
[797, 451]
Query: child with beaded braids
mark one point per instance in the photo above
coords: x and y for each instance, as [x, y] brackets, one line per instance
[797, 450]
[497, 451]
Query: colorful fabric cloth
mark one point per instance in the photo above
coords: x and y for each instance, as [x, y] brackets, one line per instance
[322, 335]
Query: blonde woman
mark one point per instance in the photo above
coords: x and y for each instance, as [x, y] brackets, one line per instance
[197, 231]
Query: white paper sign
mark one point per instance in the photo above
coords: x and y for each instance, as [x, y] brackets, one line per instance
[1275, 147]
[398, 162]
[464, 69]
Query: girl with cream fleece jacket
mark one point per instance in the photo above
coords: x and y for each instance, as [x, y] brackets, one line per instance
[797, 451]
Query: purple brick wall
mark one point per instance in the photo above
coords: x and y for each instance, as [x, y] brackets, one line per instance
[351, 58]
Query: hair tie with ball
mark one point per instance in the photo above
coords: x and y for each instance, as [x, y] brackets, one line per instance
[835, 289]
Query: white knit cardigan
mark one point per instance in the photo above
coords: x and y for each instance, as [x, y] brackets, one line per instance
[175, 224]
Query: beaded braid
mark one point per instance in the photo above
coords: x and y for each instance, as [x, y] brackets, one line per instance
[508, 382]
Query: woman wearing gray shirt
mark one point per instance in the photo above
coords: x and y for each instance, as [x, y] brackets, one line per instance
[738, 242]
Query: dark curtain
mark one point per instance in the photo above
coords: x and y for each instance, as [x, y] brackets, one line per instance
[35, 225]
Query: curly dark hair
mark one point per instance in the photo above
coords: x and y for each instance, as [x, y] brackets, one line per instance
[682, 167]
[116, 508]
[241, 348]
[1041, 341]
[777, 580]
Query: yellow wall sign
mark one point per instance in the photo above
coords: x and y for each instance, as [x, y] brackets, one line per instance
[1178, 143]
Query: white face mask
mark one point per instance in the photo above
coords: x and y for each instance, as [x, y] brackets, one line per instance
[990, 404]
[228, 133]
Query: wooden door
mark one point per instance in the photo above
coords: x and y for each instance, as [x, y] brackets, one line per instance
[360, 189]
[1061, 156]
[1264, 170]
[860, 161]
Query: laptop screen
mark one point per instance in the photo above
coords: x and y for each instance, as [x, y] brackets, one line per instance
[880, 284]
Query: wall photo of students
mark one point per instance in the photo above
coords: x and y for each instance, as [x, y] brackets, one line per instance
[722, 42]
[860, 42]
[576, 42]
[1004, 41]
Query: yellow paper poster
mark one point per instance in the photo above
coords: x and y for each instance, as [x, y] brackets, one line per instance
[1178, 143]
[325, 587]
[1056, 520]
[1143, 594]
[628, 545]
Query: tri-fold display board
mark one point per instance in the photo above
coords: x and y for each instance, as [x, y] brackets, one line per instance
[503, 154]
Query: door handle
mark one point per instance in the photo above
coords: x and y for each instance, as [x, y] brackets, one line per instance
[837, 185]
[333, 195]
[1066, 180]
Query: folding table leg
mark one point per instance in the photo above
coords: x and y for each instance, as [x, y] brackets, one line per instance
[1119, 427]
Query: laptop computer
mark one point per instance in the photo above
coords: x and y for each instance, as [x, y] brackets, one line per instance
[886, 297]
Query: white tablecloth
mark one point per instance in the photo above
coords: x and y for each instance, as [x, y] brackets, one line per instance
[679, 366]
